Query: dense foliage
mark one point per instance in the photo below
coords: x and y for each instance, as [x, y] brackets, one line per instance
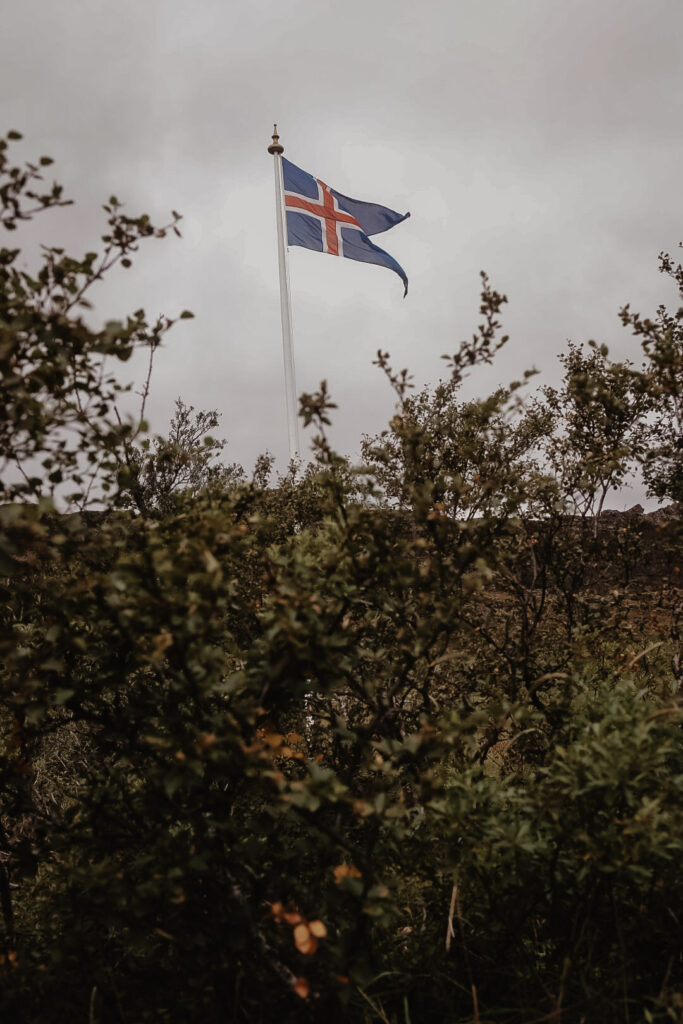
[398, 742]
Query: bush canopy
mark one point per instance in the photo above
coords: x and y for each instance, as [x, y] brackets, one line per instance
[395, 742]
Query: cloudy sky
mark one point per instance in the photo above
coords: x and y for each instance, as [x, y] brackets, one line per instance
[537, 139]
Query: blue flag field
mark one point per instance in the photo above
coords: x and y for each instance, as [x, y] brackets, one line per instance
[320, 218]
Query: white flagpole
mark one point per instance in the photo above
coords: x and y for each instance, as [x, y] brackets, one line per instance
[285, 300]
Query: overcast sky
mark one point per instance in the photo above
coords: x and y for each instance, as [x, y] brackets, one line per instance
[537, 139]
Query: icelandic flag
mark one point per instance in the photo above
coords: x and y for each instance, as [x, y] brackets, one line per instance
[320, 218]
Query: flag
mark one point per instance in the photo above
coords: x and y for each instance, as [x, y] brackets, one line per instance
[320, 218]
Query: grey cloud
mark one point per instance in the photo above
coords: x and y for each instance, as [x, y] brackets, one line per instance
[536, 139]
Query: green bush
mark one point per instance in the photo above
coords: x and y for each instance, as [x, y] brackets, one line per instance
[399, 742]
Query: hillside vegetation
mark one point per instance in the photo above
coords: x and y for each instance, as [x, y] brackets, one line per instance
[398, 742]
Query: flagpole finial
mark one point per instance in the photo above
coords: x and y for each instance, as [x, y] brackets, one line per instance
[275, 146]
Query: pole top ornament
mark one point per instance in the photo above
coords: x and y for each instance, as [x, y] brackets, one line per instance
[275, 146]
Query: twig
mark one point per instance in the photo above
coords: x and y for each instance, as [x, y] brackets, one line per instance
[475, 1003]
[555, 1014]
[379, 1011]
[455, 900]
[145, 390]
[21, 469]
[450, 934]
[663, 712]
[636, 658]
[93, 999]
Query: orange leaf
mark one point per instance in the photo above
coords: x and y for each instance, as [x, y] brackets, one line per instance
[277, 910]
[161, 643]
[303, 940]
[205, 740]
[345, 871]
[293, 918]
[302, 988]
[362, 807]
[318, 929]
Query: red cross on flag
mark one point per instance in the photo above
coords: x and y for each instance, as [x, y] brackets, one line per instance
[320, 218]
